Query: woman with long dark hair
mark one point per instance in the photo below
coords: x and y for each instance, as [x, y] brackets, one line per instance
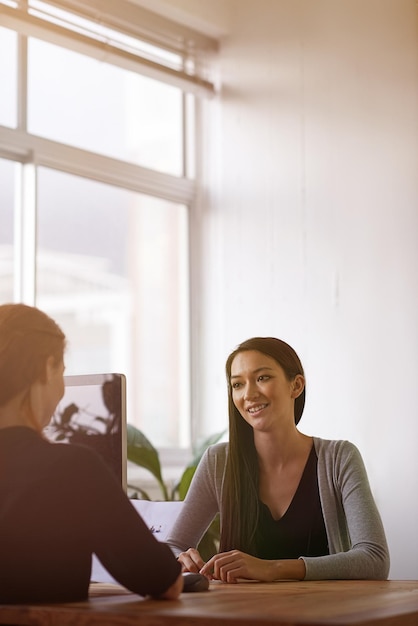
[291, 506]
[60, 503]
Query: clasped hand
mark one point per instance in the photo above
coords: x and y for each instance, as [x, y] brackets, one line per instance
[227, 566]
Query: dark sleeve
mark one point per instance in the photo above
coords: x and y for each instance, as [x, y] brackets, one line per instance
[119, 536]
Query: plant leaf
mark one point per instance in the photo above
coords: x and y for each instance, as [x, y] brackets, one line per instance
[135, 437]
[135, 490]
[183, 485]
[68, 413]
[199, 450]
[141, 452]
[209, 544]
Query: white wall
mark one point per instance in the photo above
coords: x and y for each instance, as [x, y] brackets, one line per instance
[309, 225]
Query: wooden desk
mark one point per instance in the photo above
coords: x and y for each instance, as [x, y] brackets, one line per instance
[315, 603]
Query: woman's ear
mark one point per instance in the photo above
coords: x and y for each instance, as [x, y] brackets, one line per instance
[298, 385]
[50, 367]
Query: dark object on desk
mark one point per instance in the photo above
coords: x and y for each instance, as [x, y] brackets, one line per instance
[194, 582]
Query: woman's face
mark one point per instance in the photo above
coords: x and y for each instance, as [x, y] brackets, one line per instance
[261, 390]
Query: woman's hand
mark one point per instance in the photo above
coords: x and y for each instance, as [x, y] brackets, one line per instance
[191, 561]
[230, 566]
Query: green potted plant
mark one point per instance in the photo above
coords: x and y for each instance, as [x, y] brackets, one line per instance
[141, 452]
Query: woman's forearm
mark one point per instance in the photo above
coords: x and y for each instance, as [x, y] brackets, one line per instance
[287, 569]
[233, 565]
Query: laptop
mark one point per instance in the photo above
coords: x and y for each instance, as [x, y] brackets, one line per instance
[92, 412]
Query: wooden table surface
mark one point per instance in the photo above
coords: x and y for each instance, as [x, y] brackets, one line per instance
[310, 603]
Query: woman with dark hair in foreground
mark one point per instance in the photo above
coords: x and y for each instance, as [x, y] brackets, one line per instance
[60, 503]
[291, 506]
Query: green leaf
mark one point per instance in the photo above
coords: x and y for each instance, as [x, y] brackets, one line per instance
[209, 544]
[200, 450]
[135, 490]
[141, 452]
[183, 486]
[136, 437]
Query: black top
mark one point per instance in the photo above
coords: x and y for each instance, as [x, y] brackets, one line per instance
[58, 505]
[301, 530]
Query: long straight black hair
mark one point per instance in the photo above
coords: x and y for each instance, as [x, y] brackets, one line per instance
[240, 497]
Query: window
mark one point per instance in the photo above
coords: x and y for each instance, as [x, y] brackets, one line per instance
[8, 76]
[7, 177]
[97, 133]
[116, 280]
[97, 106]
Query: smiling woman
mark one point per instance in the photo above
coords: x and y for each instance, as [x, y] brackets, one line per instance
[291, 506]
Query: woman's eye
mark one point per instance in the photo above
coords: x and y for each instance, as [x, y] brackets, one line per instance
[263, 377]
[236, 385]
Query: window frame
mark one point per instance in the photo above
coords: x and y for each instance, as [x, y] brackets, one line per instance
[189, 45]
[31, 151]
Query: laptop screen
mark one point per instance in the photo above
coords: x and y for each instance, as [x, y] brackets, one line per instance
[93, 412]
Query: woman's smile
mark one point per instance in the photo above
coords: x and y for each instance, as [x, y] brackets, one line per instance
[253, 410]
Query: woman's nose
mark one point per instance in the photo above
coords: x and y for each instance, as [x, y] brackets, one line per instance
[251, 391]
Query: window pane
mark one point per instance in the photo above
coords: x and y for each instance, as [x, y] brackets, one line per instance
[6, 229]
[8, 77]
[112, 269]
[77, 100]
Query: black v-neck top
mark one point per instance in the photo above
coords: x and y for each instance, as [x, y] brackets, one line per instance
[301, 530]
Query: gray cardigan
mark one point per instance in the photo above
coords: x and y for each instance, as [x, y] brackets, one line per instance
[356, 538]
